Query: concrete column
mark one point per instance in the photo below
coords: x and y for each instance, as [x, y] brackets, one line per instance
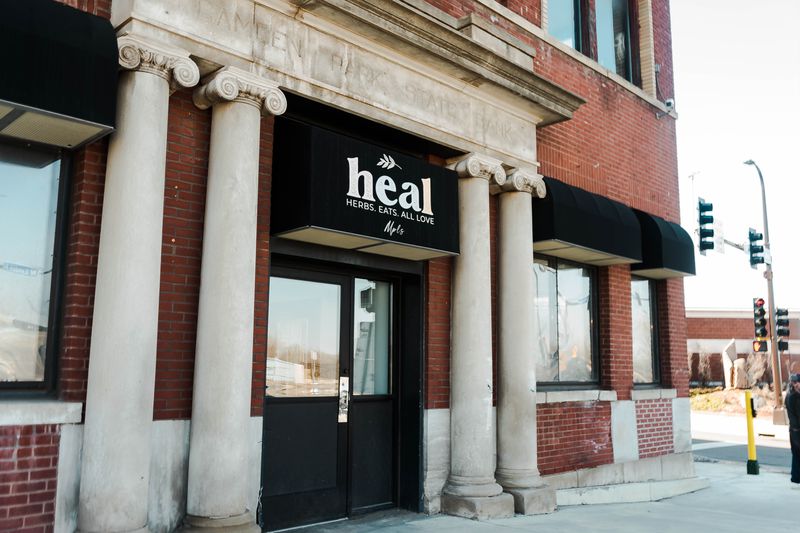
[517, 470]
[218, 453]
[119, 398]
[471, 490]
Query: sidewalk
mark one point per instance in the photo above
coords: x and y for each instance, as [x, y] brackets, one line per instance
[734, 502]
[733, 428]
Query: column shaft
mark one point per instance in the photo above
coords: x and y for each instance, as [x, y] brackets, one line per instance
[472, 428]
[119, 399]
[471, 489]
[517, 469]
[218, 462]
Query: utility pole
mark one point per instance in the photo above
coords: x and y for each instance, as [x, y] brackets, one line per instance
[778, 415]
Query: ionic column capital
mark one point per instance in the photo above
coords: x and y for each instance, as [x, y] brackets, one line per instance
[480, 166]
[230, 84]
[525, 180]
[172, 64]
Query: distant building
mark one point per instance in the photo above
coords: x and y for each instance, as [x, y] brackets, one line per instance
[335, 257]
[711, 330]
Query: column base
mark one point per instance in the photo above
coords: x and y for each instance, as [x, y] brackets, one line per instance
[536, 500]
[479, 507]
[242, 523]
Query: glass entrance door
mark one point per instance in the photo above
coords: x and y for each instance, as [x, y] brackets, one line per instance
[329, 412]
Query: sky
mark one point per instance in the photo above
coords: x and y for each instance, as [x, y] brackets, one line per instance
[737, 95]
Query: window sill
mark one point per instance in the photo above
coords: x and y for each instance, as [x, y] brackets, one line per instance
[653, 394]
[576, 396]
[35, 412]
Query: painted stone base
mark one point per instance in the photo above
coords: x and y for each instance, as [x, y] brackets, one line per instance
[539, 500]
[479, 508]
[243, 523]
[649, 491]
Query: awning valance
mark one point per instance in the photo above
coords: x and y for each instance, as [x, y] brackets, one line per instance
[59, 79]
[667, 250]
[575, 224]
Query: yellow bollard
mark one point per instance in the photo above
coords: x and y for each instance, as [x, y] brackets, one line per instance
[752, 462]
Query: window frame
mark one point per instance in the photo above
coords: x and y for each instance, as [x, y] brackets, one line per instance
[629, 12]
[655, 356]
[47, 386]
[594, 334]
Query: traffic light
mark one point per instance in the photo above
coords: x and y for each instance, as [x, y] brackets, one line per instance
[782, 328]
[705, 221]
[760, 320]
[756, 249]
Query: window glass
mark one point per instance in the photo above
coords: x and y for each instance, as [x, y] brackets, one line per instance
[574, 323]
[372, 337]
[562, 21]
[613, 36]
[546, 321]
[28, 204]
[564, 322]
[644, 361]
[303, 340]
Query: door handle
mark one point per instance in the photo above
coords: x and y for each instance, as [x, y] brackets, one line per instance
[344, 398]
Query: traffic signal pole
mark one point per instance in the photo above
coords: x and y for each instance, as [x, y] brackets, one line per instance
[778, 415]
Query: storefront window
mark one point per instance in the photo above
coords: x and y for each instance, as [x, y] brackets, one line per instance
[645, 354]
[613, 36]
[29, 187]
[564, 322]
[372, 337]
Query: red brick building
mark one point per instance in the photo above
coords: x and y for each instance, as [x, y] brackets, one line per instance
[709, 331]
[334, 258]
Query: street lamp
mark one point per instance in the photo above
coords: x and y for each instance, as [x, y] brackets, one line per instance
[778, 415]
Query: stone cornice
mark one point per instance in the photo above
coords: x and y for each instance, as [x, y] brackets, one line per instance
[233, 84]
[525, 180]
[405, 21]
[170, 63]
[480, 166]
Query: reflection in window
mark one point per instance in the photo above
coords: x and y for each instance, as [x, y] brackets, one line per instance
[563, 21]
[372, 340]
[303, 340]
[564, 325]
[645, 356]
[613, 36]
[28, 204]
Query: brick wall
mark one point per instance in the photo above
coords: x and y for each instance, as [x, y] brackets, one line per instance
[437, 333]
[729, 328]
[573, 435]
[530, 10]
[262, 267]
[188, 136]
[83, 241]
[616, 345]
[654, 426]
[101, 8]
[672, 336]
[28, 466]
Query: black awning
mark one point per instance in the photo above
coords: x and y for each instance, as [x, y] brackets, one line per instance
[338, 191]
[59, 81]
[575, 224]
[667, 250]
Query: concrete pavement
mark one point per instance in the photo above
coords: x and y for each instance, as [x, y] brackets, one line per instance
[734, 501]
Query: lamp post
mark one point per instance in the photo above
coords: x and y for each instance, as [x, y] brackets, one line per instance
[778, 415]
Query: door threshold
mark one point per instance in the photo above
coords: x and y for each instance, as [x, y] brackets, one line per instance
[315, 524]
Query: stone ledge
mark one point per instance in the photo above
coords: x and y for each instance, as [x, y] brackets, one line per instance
[561, 396]
[35, 412]
[653, 394]
[648, 491]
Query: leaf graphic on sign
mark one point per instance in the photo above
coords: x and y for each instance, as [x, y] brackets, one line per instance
[388, 162]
